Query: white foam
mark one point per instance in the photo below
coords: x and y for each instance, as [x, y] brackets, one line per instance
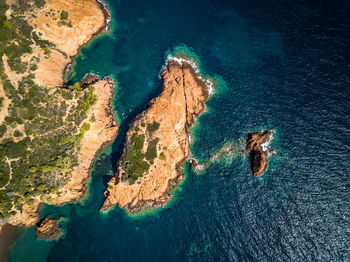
[266, 146]
[108, 20]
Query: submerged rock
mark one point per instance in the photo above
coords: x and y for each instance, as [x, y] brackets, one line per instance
[49, 229]
[257, 146]
[88, 79]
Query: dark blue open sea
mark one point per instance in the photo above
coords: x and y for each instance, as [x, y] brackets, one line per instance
[283, 65]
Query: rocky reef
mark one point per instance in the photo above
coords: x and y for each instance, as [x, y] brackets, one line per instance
[49, 229]
[257, 146]
[158, 143]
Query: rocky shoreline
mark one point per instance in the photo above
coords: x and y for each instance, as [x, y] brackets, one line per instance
[104, 128]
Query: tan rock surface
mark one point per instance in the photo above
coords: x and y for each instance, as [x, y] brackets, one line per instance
[182, 98]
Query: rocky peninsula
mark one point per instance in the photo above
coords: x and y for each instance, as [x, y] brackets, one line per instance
[158, 141]
[257, 146]
[49, 133]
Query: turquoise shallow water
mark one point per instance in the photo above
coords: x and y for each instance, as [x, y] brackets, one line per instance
[280, 66]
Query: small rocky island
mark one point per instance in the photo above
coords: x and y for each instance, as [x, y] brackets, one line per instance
[158, 141]
[257, 146]
[49, 229]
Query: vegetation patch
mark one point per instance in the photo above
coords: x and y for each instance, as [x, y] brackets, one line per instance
[39, 3]
[5, 171]
[151, 152]
[162, 156]
[153, 127]
[64, 15]
[132, 161]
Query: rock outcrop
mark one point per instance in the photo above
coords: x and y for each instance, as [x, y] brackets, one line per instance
[88, 79]
[49, 229]
[257, 146]
[158, 143]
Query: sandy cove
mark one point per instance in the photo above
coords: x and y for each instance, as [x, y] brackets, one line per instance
[175, 109]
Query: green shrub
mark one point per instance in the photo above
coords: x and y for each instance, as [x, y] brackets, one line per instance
[85, 127]
[8, 24]
[151, 152]
[64, 15]
[15, 150]
[3, 129]
[162, 156]
[76, 86]
[30, 202]
[33, 67]
[153, 127]
[47, 51]
[17, 65]
[92, 119]
[4, 173]
[17, 133]
[42, 43]
[5, 204]
[133, 159]
[39, 3]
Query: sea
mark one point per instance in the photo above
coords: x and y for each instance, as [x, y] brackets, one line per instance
[281, 65]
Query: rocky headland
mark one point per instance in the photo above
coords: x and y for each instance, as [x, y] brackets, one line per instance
[158, 141]
[258, 147]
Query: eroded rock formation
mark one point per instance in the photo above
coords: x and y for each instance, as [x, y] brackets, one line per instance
[257, 146]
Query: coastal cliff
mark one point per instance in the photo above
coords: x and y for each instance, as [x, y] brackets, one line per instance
[69, 25]
[103, 129]
[158, 142]
[257, 147]
[49, 135]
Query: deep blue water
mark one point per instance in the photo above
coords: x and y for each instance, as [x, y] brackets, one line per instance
[282, 65]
